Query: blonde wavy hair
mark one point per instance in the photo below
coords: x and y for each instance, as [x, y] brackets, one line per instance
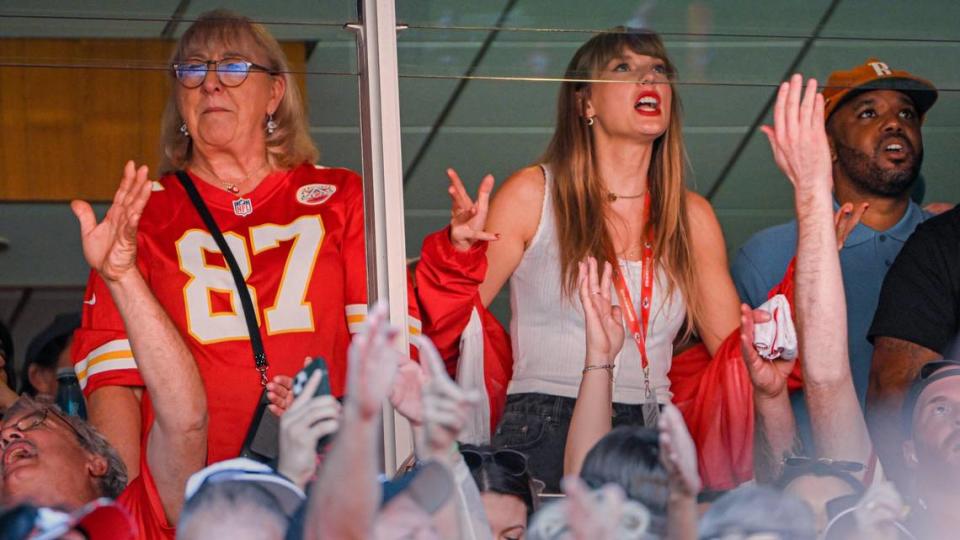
[290, 144]
[579, 197]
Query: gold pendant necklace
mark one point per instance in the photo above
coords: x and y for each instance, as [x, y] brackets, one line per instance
[612, 197]
[234, 187]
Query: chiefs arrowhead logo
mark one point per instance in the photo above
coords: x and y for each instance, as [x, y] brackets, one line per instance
[314, 194]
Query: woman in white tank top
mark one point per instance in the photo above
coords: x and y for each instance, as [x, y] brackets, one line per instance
[617, 150]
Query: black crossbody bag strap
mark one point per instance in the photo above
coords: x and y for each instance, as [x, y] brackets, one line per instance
[259, 354]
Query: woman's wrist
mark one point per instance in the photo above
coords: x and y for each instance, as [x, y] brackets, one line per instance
[599, 367]
[597, 359]
[461, 245]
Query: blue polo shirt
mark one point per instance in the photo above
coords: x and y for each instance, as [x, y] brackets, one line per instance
[867, 254]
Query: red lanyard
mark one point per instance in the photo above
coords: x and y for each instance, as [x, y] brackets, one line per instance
[638, 328]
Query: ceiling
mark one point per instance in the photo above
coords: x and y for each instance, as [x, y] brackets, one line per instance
[731, 55]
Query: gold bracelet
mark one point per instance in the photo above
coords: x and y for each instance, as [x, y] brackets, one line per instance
[603, 366]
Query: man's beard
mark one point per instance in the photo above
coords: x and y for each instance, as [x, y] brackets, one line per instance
[870, 178]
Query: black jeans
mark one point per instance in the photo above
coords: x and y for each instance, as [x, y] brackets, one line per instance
[537, 425]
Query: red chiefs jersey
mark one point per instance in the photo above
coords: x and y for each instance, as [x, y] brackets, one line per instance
[298, 238]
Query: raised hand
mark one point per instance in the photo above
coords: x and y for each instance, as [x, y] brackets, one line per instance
[371, 365]
[110, 247]
[604, 321]
[678, 453]
[307, 420]
[769, 378]
[468, 218]
[446, 406]
[846, 219]
[798, 137]
[406, 394]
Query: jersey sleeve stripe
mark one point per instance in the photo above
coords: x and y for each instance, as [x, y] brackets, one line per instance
[356, 309]
[356, 317]
[104, 366]
[104, 355]
[414, 326]
[355, 325]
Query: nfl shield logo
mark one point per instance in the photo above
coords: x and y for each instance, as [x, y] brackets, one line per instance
[242, 207]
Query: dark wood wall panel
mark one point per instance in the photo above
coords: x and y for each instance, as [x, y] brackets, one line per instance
[72, 111]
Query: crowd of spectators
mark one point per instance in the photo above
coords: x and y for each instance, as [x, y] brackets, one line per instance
[830, 409]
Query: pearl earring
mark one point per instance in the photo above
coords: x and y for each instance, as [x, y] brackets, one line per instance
[271, 124]
[183, 130]
[590, 121]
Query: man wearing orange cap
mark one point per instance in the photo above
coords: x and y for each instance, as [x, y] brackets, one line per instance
[874, 114]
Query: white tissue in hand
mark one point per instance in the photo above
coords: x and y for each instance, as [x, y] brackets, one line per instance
[776, 338]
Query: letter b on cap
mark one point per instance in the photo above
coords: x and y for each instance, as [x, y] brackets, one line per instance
[880, 68]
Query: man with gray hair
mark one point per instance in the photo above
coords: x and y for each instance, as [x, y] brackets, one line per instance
[235, 510]
[48, 459]
[238, 499]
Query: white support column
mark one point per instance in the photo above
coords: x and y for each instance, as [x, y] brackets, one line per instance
[383, 188]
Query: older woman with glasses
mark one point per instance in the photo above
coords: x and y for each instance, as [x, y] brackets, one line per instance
[234, 132]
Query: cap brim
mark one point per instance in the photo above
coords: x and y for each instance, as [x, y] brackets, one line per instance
[919, 384]
[286, 492]
[923, 94]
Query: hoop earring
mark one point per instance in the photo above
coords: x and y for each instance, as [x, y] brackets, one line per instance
[591, 121]
[183, 130]
[271, 124]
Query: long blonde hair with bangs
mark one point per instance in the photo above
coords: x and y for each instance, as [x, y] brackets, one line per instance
[290, 144]
[579, 196]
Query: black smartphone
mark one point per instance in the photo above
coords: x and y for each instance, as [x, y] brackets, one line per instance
[316, 364]
[323, 389]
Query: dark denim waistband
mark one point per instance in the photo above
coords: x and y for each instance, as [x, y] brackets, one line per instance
[562, 407]
[541, 404]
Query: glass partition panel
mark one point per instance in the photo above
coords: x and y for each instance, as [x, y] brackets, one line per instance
[479, 83]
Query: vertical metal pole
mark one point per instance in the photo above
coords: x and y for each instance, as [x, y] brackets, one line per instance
[383, 177]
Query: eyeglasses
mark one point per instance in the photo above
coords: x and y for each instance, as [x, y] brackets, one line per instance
[512, 462]
[230, 71]
[31, 422]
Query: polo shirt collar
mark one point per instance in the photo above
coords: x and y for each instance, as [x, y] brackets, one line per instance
[908, 223]
[901, 231]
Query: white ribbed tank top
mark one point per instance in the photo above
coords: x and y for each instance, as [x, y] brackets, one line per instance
[547, 330]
